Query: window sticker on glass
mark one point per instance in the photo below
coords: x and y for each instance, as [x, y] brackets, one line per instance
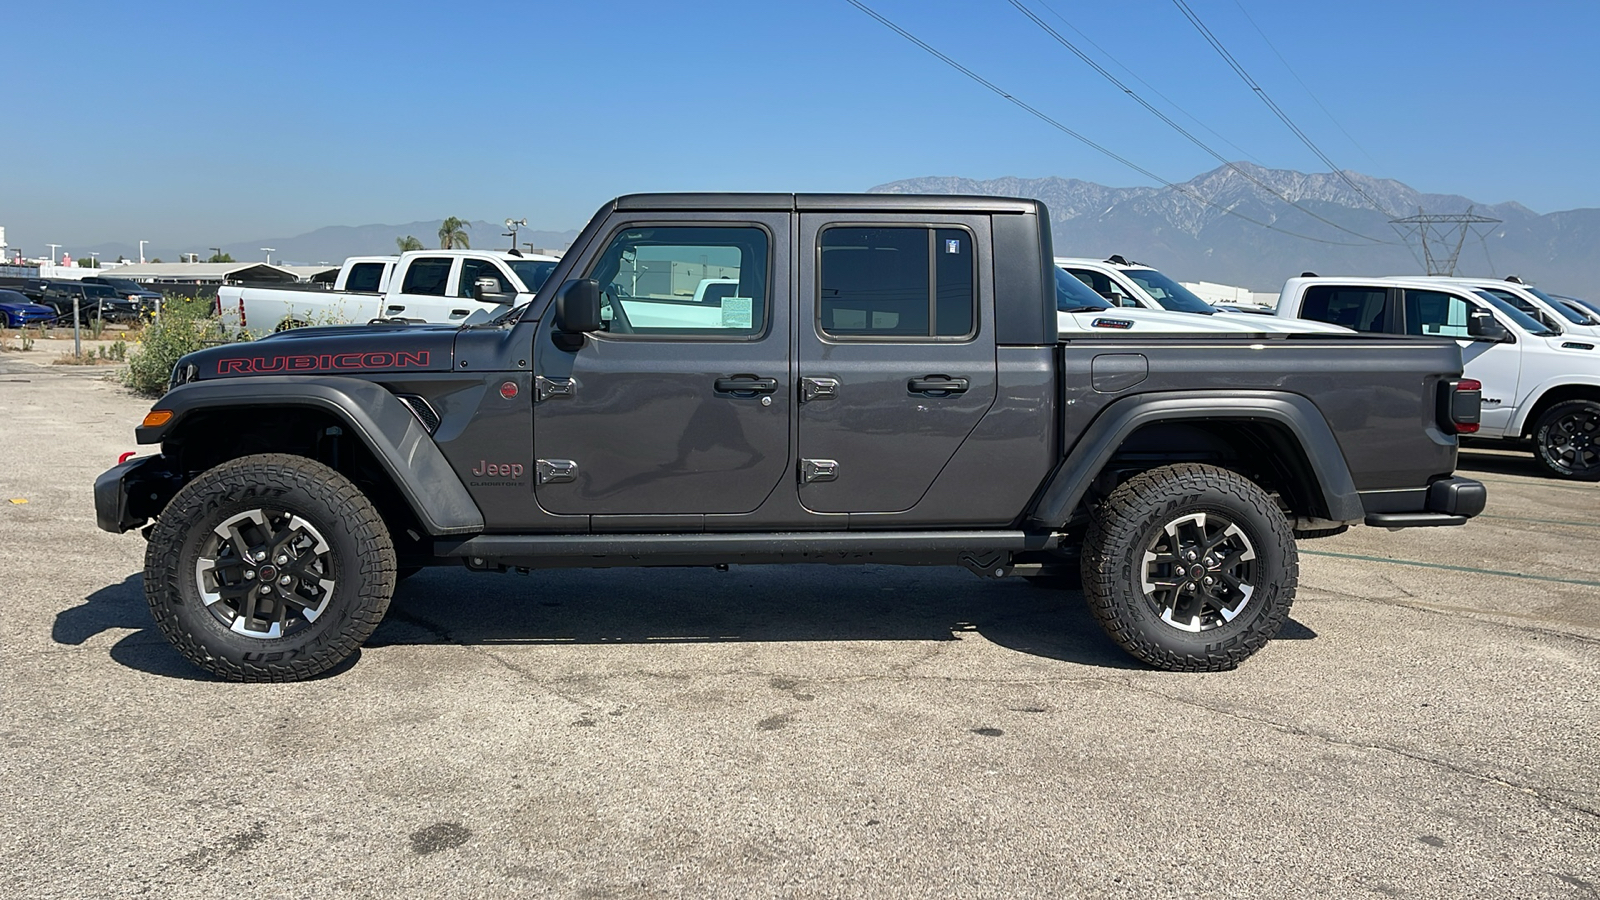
[952, 245]
[738, 312]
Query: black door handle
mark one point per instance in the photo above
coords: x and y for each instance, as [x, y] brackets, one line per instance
[937, 384]
[747, 385]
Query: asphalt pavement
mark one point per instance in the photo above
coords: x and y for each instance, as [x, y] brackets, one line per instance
[1426, 725]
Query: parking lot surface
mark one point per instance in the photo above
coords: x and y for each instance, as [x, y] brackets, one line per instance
[1426, 725]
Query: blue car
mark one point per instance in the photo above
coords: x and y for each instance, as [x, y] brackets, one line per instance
[20, 312]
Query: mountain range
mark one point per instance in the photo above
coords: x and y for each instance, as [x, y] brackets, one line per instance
[335, 242]
[1194, 239]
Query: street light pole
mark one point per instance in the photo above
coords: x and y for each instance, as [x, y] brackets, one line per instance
[52, 252]
[268, 251]
[141, 251]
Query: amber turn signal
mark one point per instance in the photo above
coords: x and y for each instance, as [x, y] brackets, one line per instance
[156, 418]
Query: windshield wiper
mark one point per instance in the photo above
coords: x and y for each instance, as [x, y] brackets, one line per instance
[1079, 309]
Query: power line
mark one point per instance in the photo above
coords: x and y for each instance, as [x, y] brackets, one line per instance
[1227, 57]
[1302, 81]
[1153, 89]
[1073, 134]
[1045, 26]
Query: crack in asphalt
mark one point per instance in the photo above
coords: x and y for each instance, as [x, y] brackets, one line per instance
[1304, 731]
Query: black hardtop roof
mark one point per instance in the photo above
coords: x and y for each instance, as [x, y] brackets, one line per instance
[831, 203]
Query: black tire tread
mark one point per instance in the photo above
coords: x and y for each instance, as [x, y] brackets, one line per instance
[1118, 522]
[237, 479]
[1547, 418]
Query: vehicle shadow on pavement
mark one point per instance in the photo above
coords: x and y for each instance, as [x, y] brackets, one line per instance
[655, 606]
[1500, 464]
[121, 606]
[748, 604]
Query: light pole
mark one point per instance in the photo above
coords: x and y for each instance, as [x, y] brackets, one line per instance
[268, 251]
[141, 251]
[52, 252]
[215, 252]
[94, 256]
[511, 230]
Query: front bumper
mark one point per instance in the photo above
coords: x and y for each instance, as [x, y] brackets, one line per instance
[131, 493]
[1450, 501]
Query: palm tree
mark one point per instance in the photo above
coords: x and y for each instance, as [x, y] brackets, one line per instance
[453, 234]
[408, 243]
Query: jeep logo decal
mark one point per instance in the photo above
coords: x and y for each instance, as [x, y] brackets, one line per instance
[510, 470]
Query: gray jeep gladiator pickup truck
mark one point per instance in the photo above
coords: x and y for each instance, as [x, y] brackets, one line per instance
[883, 383]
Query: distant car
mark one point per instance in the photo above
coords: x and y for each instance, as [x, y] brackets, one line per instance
[20, 312]
[128, 289]
[93, 300]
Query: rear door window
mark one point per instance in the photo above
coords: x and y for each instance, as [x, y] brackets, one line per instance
[427, 276]
[896, 282]
[365, 277]
[1357, 308]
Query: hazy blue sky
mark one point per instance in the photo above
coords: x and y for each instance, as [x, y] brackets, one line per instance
[210, 122]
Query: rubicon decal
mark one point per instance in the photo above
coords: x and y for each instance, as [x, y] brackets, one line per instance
[324, 362]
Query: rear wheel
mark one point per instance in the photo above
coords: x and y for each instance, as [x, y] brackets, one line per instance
[269, 568]
[1190, 567]
[1566, 440]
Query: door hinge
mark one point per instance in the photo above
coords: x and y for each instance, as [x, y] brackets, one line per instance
[814, 470]
[555, 471]
[818, 389]
[545, 388]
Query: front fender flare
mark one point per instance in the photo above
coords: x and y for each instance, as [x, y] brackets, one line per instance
[1122, 418]
[380, 421]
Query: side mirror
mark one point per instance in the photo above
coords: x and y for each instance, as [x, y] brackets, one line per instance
[578, 307]
[1483, 326]
[484, 288]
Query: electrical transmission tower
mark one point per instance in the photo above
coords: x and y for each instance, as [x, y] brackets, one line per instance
[1441, 236]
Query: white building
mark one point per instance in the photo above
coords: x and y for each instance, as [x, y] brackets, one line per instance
[1229, 295]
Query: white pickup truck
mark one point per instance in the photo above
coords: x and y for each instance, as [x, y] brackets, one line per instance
[447, 286]
[1133, 285]
[1541, 382]
[1080, 310]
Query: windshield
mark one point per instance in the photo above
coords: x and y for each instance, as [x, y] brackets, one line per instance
[1591, 305]
[1567, 313]
[532, 272]
[1073, 295]
[1523, 320]
[1167, 292]
[121, 284]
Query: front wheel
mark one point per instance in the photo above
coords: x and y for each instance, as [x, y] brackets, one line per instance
[269, 568]
[1190, 567]
[1566, 440]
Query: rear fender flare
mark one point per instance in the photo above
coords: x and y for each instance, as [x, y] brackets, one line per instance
[386, 426]
[1302, 419]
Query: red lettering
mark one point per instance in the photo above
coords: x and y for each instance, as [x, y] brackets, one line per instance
[411, 358]
[262, 365]
[378, 360]
[300, 363]
[347, 361]
[226, 366]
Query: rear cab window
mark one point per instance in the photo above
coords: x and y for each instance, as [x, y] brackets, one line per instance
[365, 277]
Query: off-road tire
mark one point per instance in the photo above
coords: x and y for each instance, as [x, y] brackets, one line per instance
[1133, 520]
[359, 557]
[1574, 456]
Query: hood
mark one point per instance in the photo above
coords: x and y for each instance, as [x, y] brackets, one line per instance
[1133, 320]
[26, 307]
[332, 350]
